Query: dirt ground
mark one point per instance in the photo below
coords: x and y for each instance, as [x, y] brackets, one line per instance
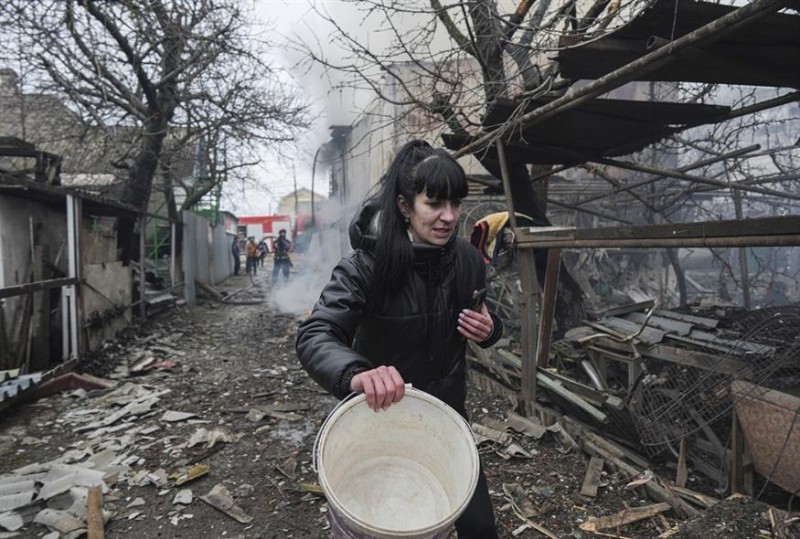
[231, 359]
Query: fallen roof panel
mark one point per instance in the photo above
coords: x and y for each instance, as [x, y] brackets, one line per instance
[763, 53]
[598, 128]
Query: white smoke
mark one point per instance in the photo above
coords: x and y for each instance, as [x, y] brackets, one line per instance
[312, 270]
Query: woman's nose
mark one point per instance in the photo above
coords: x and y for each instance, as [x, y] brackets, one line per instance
[448, 213]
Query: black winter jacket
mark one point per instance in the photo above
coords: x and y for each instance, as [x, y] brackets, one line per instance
[349, 332]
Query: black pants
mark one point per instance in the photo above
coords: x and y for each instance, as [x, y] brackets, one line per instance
[236, 264]
[477, 521]
[278, 266]
[251, 264]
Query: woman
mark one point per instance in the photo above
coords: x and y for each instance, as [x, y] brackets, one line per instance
[401, 306]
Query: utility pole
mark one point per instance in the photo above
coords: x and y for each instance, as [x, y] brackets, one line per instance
[313, 172]
[296, 202]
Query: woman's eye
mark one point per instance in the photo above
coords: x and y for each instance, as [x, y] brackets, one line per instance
[456, 203]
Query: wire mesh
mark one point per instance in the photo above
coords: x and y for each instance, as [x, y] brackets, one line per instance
[672, 402]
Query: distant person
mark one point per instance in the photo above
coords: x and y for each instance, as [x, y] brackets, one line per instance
[281, 261]
[237, 263]
[252, 254]
[262, 251]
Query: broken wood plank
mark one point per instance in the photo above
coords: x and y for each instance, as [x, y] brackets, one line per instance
[703, 500]
[681, 356]
[209, 290]
[655, 489]
[626, 516]
[683, 473]
[589, 394]
[569, 396]
[576, 429]
[94, 514]
[591, 480]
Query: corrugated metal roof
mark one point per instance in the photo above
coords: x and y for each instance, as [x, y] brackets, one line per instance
[14, 385]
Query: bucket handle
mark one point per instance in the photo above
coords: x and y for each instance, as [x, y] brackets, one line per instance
[339, 404]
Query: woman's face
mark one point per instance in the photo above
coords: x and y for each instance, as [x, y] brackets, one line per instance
[431, 220]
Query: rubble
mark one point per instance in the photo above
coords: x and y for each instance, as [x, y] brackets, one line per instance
[548, 474]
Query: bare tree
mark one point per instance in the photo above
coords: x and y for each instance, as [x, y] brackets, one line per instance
[455, 61]
[173, 73]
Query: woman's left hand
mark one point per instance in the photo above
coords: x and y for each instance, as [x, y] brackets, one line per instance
[476, 325]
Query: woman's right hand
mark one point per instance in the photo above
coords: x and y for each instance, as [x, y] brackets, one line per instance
[383, 386]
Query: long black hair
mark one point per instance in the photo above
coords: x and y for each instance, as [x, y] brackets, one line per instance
[416, 167]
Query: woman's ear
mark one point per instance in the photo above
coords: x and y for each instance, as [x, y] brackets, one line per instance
[405, 210]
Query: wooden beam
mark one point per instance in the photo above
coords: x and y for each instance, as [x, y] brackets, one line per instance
[548, 307]
[19, 290]
[591, 480]
[558, 389]
[681, 356]
[775, 231]
[529, 301]
[626, 516]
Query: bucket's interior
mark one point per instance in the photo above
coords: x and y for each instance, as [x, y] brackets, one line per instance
[406, 468]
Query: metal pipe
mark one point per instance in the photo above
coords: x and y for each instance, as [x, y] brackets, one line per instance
[593, 375]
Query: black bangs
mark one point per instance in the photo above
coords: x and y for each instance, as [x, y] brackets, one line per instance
[441, 177]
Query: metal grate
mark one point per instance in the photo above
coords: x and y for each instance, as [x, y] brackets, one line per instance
[673, 402]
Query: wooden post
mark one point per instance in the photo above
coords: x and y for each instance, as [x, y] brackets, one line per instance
[94, 514]
[548, 307]
[741, 465]
[737, 451]
[5, 345]
[40, 324]
[530, 306]
[531, 293]
[142, 270]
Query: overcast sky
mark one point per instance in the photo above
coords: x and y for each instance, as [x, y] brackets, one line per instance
[291, 19]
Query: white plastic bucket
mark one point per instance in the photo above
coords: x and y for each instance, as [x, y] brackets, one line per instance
[405, 472]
